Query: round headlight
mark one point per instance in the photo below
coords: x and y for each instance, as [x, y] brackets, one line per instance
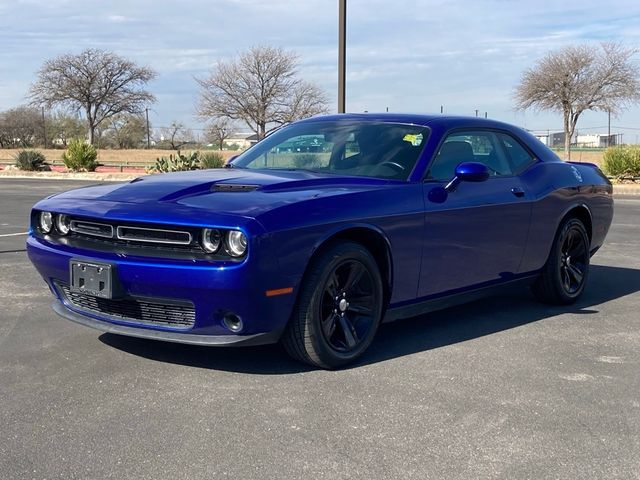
[63, 224]
[211, 240]
[236, 243]
[46, 222]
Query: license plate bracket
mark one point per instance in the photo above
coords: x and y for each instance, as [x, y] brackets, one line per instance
[91, 278]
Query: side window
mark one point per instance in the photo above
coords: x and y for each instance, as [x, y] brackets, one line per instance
[469, 146]
[519, 157]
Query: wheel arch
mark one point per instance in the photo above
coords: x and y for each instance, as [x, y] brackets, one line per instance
[582, 213]
[370, 237]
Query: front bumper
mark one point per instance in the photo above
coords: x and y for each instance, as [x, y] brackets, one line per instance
[175, 337]
[212, 292]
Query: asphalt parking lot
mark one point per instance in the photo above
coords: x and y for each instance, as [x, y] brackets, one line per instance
[502, 388]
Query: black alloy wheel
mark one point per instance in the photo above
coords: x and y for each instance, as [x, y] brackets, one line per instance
[564, 276]
[339, 307]
[574, 260]
[346, 310]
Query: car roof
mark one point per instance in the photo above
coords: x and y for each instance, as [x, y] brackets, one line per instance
[442, 123]
[447, 121]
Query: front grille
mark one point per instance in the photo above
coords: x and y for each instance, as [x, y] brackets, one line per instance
[154, 235]
[123, 238]
[92, 228]
[169, 313]
[136, 236]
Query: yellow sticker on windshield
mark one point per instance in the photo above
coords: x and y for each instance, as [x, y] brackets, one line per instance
[413, 139]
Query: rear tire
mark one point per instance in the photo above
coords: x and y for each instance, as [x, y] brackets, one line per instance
[339, 308]
[565, 274]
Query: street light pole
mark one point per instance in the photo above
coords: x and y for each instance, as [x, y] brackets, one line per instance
[342, 54]
[44, 129]
[146, 110]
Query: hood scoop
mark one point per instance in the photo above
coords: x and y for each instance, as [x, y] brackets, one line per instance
[233, 187]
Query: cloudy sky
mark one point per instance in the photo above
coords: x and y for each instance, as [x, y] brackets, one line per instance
[408, 56]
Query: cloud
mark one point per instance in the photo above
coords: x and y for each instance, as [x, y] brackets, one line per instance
[119, 19]
[408, 55]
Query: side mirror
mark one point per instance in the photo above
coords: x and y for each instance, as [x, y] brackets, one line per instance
[231, 159]
[468, 172]
[472, 172]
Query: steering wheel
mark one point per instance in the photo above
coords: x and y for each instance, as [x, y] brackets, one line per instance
[396, 166]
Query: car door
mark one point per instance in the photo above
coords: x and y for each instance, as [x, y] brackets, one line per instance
[478, 234]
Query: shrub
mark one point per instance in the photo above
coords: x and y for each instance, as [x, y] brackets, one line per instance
[30, 160]
[622, 161]
[212, 160]
[80, 156]
[176, 163]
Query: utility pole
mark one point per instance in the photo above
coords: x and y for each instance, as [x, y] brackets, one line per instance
[342, 54]
[441, 109]
[609, 128]
[476, 112]
[146, 111]
[44, 129]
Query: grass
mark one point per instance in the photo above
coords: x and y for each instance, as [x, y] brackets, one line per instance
[106, 157]
[582, 155]
[148, 157]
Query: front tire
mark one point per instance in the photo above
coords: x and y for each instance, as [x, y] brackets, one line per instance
[564, 276]
[339, 307]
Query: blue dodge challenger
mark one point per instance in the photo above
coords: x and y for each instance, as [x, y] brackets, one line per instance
[323, 230]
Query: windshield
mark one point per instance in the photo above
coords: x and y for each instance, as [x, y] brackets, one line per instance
[368, 149]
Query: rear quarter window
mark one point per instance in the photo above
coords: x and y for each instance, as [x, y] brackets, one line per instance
[519, 157]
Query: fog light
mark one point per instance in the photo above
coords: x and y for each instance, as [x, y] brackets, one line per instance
[46, 222]
[232, 322]
[63, 224]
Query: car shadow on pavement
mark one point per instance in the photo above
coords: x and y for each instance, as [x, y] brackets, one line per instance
[401, 338]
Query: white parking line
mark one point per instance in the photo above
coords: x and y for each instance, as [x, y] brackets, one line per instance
[13, 234]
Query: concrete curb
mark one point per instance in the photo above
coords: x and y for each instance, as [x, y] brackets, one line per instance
[618, 188]
[96, 176]
[626, 189]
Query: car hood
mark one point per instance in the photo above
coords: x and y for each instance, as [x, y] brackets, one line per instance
[192, 197]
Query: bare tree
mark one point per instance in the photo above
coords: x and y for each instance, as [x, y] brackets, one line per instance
[261, 89]
[21, 127]
[218, 131]
[100, 84]
[579, 78]
[63, 126]
[126, 130]
[176, 135]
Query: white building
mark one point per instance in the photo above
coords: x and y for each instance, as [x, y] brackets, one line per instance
[242, 140]
[597, 140]
[551, 139]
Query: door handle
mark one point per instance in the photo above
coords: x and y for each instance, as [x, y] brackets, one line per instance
[518, 192]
